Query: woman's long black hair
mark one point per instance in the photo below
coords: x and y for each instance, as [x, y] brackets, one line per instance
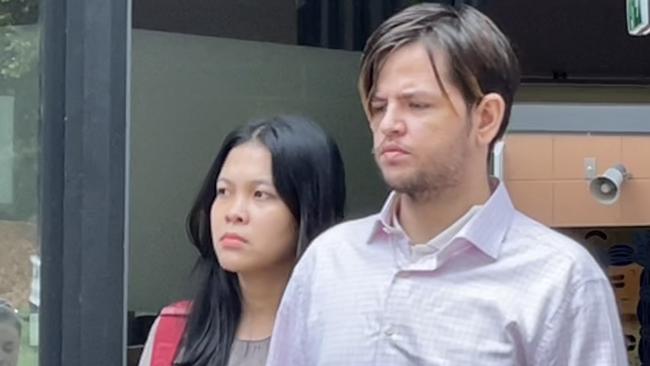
[309, 176]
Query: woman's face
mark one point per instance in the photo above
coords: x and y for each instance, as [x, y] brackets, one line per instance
[9, 345]
[252, 228]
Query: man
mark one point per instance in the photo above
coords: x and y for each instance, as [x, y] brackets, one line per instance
[10, 329]
[448, 273]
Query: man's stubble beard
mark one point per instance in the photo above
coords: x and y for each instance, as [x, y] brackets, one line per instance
[432, 180]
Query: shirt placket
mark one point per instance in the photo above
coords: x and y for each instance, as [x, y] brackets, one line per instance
[394, 304]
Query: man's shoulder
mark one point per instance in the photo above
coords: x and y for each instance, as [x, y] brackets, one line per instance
[552, 247]
[354, 230]
[341, 237]
[336, 242]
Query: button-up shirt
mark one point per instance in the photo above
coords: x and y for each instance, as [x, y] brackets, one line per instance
[502, 289]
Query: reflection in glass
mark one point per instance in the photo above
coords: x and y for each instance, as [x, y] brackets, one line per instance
[334, 24]
[19, 246]
[10, 331]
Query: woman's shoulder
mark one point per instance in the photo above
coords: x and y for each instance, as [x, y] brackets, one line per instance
[180, 308]
[165, 335]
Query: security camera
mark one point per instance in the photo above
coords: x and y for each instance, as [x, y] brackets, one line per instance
[607, 187]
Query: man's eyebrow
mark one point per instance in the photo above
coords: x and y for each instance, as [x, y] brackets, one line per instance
[417, 93]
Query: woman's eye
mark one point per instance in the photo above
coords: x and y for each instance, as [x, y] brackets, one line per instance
[262, 195]
[221, 191]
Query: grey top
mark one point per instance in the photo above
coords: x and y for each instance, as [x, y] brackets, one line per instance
[249, 353]
[242, 353]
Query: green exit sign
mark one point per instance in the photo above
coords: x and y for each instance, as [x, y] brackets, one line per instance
[638, 17]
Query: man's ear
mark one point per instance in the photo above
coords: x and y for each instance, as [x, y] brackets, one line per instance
[488, 117]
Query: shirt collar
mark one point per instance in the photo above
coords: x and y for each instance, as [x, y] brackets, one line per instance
[489, 227]
[486, 230]
[382, 223]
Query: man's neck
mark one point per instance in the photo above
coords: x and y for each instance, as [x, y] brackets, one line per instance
[423, 218]
[261, 295]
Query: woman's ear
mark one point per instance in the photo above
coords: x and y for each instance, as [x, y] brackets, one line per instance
[488, 117]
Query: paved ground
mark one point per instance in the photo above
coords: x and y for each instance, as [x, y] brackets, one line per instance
[18, 240]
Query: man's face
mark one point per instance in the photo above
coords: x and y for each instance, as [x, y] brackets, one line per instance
[421, 138]
[9, 345]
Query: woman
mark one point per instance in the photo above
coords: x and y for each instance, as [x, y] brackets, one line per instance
[273, 187]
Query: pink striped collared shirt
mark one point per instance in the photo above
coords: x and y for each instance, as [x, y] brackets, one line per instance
[502, 290]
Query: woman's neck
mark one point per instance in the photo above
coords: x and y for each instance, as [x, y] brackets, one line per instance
[261, 295]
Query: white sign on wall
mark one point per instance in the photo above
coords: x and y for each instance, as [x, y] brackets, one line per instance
[638, 17]
[497, 160]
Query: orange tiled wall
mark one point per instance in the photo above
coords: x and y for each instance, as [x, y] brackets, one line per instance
[546, 178]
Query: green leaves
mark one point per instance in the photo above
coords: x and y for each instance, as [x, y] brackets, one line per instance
[19, 37]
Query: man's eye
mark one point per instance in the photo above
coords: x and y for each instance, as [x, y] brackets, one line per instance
[8, 347]
[377, 108]
[416, 105]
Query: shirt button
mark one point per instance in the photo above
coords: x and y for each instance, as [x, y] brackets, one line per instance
[385, 230]
[389, 332]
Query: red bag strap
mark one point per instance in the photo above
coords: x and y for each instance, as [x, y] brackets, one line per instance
[171, 326]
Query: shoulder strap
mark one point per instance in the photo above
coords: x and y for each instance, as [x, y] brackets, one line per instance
[169, 333]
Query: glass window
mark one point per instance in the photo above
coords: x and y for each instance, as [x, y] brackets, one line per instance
[623, 255]
[201, 68]
[19, 120]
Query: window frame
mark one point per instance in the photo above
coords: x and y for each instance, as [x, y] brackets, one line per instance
[85, 54]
